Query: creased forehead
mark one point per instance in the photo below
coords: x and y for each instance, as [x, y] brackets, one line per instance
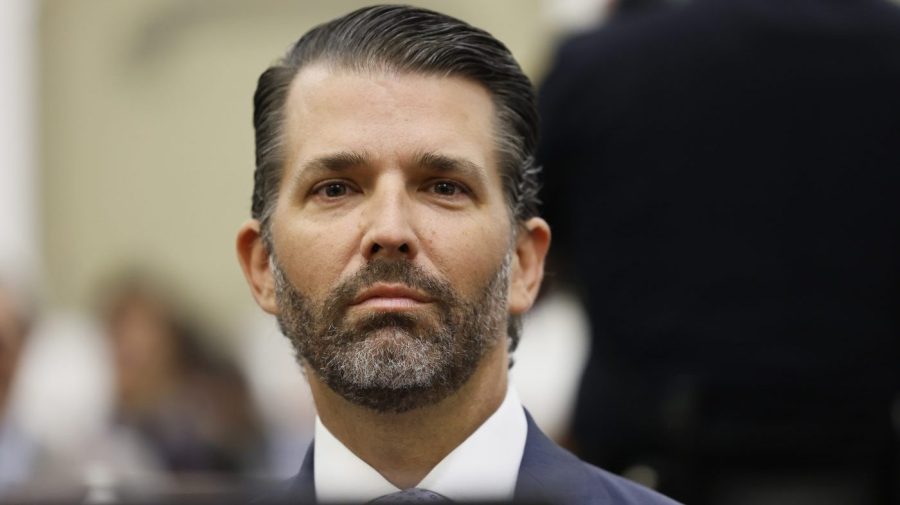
[433, 122]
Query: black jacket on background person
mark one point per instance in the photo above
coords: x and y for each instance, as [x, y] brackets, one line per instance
[723, 177]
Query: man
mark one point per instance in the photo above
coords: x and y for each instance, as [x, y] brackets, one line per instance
[395, 237]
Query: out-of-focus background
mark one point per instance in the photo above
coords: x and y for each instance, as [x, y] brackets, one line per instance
[126, 162]
[720, 179]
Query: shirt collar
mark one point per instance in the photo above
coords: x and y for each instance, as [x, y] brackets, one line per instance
[484, 467]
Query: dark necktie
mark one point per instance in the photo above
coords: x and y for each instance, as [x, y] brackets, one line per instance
[412, 495]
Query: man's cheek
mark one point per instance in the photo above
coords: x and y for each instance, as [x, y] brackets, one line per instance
[316, 253]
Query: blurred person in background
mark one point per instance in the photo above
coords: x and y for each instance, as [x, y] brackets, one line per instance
[723, 178]
[189, 406]
[19, 453]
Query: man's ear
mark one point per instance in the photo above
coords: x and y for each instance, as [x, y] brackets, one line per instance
[527, 270]
[254, 258]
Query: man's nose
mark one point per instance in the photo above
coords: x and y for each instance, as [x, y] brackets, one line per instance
[389, 229]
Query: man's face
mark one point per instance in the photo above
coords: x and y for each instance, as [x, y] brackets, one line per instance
[392, 243]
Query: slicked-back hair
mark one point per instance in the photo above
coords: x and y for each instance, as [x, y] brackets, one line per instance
[403, 39]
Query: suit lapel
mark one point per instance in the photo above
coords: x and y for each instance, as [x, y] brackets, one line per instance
[303, 485]
[549, 473]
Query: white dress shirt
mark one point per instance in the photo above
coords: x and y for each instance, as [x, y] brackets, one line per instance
[484, 467]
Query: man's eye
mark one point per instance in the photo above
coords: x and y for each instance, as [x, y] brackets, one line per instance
[332, 189]
[446, 188]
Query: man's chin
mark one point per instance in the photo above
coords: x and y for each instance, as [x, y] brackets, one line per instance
[396, 396]
[394, 401]
[389, 338]
[390, 371]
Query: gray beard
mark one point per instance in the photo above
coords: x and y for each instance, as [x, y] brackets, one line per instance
[394, 361]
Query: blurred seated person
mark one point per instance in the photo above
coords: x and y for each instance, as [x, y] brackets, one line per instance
[190, 406]
[18, 453]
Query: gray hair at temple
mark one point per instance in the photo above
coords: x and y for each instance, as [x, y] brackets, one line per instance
[407, 40]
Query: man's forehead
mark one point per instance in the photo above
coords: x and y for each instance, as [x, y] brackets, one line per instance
[321, 76]
[426, 113]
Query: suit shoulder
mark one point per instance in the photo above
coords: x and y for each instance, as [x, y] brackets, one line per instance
[550, 473]
[587, 484]
[623, 491]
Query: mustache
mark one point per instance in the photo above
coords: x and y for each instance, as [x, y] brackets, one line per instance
[390, 271]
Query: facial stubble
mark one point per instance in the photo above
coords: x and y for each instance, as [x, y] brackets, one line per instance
[394, 361]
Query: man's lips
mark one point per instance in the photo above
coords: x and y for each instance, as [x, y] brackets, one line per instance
[390, 297]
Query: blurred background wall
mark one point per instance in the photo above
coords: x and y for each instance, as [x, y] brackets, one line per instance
[18, 205]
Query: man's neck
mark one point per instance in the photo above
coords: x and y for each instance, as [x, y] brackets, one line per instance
[405, 447]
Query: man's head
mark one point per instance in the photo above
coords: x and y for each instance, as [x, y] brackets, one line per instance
[394, 229]
[404, 40]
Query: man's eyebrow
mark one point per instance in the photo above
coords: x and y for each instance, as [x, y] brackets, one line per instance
[344, 160]
[443, 163]
[335, 162]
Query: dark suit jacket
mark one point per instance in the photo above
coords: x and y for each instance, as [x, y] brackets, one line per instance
[548, 474]
[726, 175]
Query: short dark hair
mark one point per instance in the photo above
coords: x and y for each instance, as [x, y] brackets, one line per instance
[404, 39]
